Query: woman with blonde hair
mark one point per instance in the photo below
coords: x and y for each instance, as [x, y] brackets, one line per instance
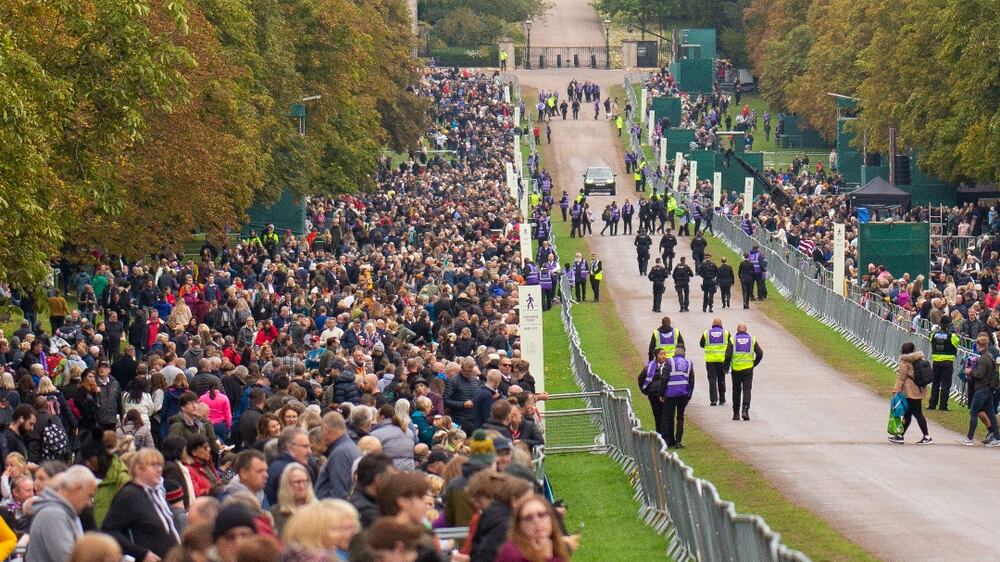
[534, 534]
[96, 547]
[295, 491]
[326, 526]
[181, 315]
[140, 518]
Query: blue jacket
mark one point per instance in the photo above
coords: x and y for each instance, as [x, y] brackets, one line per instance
[335, 478]
[274, 477]
[481, 405]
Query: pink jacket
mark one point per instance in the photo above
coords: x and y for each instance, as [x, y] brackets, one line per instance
[218, 408]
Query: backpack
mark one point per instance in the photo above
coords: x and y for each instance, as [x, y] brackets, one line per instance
[52, 405]
[923, 374]
[55, 442]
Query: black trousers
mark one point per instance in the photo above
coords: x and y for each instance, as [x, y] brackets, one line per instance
[563, 213]
[914, 411]
[716, 382]
[547, 298]
[683, 295]
[941, 385]
[747, 287]
[657, 297]
[627, 226]
[643, 263]
[575, 230]
[614, 228]
[672, 425]
[697, 257]
[580, 289]
[708, 297]
[725, 291]
[742, 384]
[760, 280]
[668, 261]
[657, 407]
[595, 285]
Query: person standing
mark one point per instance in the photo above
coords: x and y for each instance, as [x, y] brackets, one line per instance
[983, 377]
[914, 394]
[576, 218]
[503, 61]
[658, 275]
[619, 122]
[628, 211]
[642, 243]
[616, 216]
[546, 280]
[651, 382]
[596, 275]
[709, 274]
[715, 341]
[759, 263]
[682, 283]
[580, 273]
[666, 338]
[746, 280]
[576, 109]
[548, 133]
[677, 393]
[725, 279]
[564, 204]
[944, 347]
[743, 355]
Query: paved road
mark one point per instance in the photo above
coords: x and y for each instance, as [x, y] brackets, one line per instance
[819, 437]
[569, 23]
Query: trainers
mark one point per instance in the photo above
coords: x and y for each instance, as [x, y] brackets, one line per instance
[994, 443]
[897, 439]
[925, 441]
[965, 441]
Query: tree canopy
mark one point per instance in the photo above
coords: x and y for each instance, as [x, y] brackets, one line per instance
[127, 124]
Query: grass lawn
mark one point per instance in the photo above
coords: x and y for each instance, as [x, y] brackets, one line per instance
[836, 350]
[616, 359]
[593, 486]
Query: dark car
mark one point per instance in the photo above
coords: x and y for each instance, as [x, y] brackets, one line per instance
[599, 179]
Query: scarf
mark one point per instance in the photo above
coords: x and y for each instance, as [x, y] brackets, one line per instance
[157, 497]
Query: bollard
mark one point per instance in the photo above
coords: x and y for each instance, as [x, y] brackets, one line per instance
[558, 60]
[576, 61]
[541, 61]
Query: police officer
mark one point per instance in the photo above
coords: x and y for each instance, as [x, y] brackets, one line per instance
[667, 245]
[642, 244]
[659, 213]
[596, 275]
[725, 279]
[652, 379]
[698, 245]
[746, 279]
[658, 275]
[709, 273]
[682, 282]
[681, 214]
[645, 212]
[677, 393]
[743, 354]
[715, 341]
[944, 346]
[666, 338]
[637, 176]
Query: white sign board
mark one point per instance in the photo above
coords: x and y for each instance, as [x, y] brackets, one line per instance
[506, 94]
[663, 155]
[748, 197]
[839, 243]
[650, 127]
[678, 163]
[511, 180]
[716, 189]
[524, 232]
[517, 115]
[642, 112]
[530, 310]
[692, 177]
[517, 155]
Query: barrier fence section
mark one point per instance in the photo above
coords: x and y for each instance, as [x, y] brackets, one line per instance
[877, 327]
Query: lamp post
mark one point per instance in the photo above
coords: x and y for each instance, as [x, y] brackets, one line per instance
[299, 111]
[527, 56]
[607, 44]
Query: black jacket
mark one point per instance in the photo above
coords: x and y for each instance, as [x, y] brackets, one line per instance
[365, 504]
[698, 245]
[133, 521]
[709, 273]
[746, 271]
[642, 244]
[682, 274]
[491, 532]
[529, 433]
[658, 275]
[726, 277]
[345, 389]
[667, 244]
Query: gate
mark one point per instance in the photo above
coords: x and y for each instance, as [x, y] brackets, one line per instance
[646, 54]
[568, 57]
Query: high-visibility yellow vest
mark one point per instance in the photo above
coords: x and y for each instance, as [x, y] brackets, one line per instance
[667, 340]
[503, 55]
[715, 344]
[743, 354]
[944, 346]
[637, 175]
[671, 203]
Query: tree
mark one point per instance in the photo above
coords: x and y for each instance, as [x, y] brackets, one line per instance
[784, 60]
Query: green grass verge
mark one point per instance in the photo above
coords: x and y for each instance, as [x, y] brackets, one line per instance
[614, 357]
[836, 350]
[593, 486]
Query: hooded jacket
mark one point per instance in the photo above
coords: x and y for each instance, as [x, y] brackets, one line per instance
[55, 528]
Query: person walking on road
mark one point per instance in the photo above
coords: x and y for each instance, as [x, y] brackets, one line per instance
[667, 245]
[682, 283]
[709, 273]
[716, 340]
[725, 279]
[698, 245]
[677, 393]
[743, 355]
[759, 263]
[666, 338]
[982, 374]
[746, 280]
[642, 244]
[658, 275]
[596, 275]
[944, 347]
[652, 379]
[914, 394]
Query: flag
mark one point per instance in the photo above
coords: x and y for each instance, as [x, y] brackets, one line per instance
[862, 214]
[806, 246]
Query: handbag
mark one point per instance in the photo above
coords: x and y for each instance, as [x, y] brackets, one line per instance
[898, 405]
[895, 426]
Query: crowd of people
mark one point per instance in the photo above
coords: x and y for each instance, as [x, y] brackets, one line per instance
[331, 396]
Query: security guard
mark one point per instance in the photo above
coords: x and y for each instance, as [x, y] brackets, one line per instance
[671, 209]
[682, 283]
[698, 245]
[596, 275]
[531, 273]
[667, 245]
[944, 346]
[254, 240]
[709, 273]
[270, 239]
[715, 341]
[665, 338]
[503, 61]
[637, 176]
[725, 279]
[677, 393]
[534, 199]
[652, 379]
[743, 354]
[642, 244]
[658, 275]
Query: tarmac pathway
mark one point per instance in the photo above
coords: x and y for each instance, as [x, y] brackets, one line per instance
[819, 437]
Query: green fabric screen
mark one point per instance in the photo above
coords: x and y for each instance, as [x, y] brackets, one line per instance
[669, 107]
[693, 75]
[286, 212]
[900, 247]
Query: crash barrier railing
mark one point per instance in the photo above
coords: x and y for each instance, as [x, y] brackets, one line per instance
[874, 325]
[699, 525]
